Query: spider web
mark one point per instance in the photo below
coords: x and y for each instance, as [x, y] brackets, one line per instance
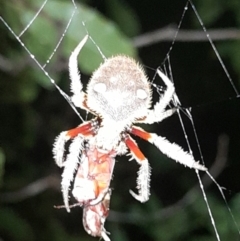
[187, 112]
[182, 112]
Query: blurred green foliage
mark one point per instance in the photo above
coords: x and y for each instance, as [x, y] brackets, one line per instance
[32, 113]
[104, 32]
[2, 163]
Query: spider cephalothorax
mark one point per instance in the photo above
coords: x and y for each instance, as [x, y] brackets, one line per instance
[119, 95]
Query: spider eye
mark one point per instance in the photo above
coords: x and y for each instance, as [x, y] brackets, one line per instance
[100, 87]
[141, 94]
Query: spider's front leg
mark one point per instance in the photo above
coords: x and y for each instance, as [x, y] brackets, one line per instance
[143, 179]
[76, 84]
[172, 150]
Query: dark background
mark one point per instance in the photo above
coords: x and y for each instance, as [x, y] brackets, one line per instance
[32, 113]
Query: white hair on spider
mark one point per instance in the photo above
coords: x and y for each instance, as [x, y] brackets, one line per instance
[119, 95]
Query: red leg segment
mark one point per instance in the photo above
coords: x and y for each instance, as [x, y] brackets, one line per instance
[85, 129]
[141, 133]
[133, 147]
[171, 150]
[144, 171]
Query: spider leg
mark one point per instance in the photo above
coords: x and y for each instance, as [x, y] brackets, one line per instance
[158, 113]
[143, 179]
[172, 150]
[76, 84]
[58, 146]
[70, 164]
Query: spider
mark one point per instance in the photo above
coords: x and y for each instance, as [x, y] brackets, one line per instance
[119, 96]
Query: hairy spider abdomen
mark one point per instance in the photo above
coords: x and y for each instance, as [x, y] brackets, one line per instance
[119, 90]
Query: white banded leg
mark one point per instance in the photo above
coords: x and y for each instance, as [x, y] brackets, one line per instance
[171, 150]
[70, 167]
[143, 179]
[158, 113]
[59, 148]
